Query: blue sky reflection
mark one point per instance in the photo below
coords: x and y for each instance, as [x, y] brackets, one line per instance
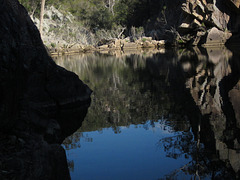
[135, 153]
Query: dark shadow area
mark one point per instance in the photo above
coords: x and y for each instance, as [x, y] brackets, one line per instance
[233, 23]
[215, 75]
[40, 102]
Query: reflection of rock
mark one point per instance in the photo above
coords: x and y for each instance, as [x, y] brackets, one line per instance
[204, 86]
[216, 54]
[146, 85]
[209, 89]
[234, 95]
[229, 155]
[40, 103]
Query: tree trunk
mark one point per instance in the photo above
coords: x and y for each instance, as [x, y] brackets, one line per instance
[111, 6]
[41, 16]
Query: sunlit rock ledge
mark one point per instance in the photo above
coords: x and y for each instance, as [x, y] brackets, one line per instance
[40, 102]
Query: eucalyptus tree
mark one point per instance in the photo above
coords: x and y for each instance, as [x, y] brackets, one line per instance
[41, 16]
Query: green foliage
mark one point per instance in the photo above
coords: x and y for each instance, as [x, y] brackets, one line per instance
[136, 32]
[180, 41]
[32, 6]
[53, 45]
[102, 14]
[124, 9]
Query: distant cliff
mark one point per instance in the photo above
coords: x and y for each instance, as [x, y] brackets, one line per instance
[40, 102]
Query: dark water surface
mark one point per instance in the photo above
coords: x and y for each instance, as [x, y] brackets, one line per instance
[168, 115]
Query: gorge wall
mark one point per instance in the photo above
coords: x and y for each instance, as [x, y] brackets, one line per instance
[40, 102]
[197, 22]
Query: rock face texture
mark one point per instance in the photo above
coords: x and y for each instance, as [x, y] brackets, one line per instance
[191, 21]
[40, 102]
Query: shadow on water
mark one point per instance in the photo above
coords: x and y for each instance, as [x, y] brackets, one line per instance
[195, 92]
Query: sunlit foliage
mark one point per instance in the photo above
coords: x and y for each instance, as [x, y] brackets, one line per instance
[102, 14]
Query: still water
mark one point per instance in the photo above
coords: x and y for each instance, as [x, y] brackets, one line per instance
[163, 115]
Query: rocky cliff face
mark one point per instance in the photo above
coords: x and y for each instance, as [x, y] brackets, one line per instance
[198, 22]
[60, 29]
[40, 102]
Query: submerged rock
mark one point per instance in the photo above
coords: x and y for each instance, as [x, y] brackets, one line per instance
[40, 102]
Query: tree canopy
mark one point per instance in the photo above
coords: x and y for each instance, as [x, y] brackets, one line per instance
[102, 14]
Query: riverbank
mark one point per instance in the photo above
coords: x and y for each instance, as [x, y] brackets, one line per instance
[109, 45]
[63, 34]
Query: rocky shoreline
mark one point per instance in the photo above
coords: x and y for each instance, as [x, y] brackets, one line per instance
[198, 23]
[214, 38]
[110, 45]
[179, 23]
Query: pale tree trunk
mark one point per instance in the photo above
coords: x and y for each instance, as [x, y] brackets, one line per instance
[41, 16]
[33, 11]
[110, 5]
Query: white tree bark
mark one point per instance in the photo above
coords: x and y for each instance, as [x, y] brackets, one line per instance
[110, 5]
[41, 16]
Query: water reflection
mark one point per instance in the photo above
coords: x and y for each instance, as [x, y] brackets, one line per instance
[190, 95]
[213, 81]
[124, 92]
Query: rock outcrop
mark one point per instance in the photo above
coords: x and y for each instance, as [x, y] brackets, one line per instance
[40, 102]
[61, 29]
[192, 22]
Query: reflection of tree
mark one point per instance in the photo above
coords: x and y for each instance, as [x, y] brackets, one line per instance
[70, 165]
[178, 145]
[73, 141]
[134, 89]
[124, 91]
[200, 166]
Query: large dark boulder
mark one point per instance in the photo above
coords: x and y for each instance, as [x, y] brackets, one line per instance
[40, 102]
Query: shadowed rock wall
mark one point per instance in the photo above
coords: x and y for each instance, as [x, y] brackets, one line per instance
[200, 22]
[40, 102]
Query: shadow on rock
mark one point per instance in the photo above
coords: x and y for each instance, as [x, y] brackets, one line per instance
[40, 102]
